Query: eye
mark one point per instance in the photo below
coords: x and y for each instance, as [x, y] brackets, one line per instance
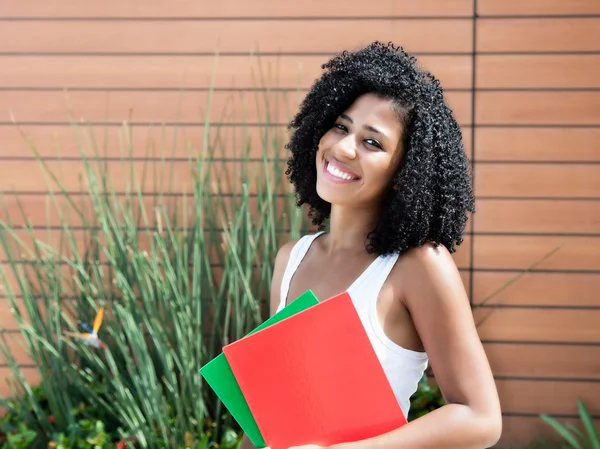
[340, 127]
[374, 143]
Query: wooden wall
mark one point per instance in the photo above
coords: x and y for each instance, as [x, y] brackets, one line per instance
[522, 77]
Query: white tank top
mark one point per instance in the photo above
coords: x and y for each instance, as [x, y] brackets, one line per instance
[403, 367]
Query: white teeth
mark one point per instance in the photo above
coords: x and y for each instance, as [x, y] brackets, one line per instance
[338, 173]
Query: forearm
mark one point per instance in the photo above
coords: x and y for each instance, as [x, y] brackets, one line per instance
[452, 426]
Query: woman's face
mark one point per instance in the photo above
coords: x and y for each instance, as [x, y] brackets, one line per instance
[359, 155]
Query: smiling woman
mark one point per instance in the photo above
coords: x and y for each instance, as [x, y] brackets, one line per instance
[377, 153]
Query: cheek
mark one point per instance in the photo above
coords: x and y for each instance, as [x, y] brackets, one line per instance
[381, 173]
[329, 139]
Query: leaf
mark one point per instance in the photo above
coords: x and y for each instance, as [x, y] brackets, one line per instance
[562, 431]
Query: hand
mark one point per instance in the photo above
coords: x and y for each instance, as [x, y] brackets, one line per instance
[304, 446]
[308, 446]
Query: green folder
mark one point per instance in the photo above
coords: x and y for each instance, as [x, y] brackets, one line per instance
[219, 376]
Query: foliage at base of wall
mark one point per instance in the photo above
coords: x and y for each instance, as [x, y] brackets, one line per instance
[90, 430]
[94, 430]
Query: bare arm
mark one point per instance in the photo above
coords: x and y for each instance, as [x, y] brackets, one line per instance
[281, 261]
[434, 295]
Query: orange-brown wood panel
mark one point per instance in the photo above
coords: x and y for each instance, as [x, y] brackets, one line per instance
[27, 274]
[142, 141]
[172, 107]
[17, 347]
[537, 216]
[533, 396]
[535, 7]
[179, 72]
[31, 375]
[235, 8]
[540, 252]
[173, 177]
[538, 35]
[544, 361]
[538, 289]
[9, 320]
[538, 108]
[286, 36]
[42, 210]
[537, 71]
[152, 107]
[538, 325]
[534, 144]
[537, 180]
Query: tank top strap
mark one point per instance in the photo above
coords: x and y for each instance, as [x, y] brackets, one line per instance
[297, 253]
[370, 283]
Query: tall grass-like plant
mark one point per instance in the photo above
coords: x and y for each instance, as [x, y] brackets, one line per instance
[575, 438]
[178, 273]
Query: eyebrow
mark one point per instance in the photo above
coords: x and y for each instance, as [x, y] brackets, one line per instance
[369, 127]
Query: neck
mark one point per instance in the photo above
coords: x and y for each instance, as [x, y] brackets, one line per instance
[349, 229]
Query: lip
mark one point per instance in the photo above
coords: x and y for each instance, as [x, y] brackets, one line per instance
[340, 166]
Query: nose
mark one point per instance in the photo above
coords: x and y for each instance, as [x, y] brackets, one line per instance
[346, 147]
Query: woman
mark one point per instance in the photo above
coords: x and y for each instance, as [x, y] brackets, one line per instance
[377, 152]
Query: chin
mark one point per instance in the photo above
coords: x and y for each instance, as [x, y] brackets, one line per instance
[333, 195]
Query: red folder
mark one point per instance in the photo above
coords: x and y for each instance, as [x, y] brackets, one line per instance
[315, 378]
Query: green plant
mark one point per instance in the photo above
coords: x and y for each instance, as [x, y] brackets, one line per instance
[179, 274]
[575, 438]
[427, 398]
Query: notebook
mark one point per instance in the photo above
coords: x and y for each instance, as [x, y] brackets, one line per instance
[314, 378]
[219, 376]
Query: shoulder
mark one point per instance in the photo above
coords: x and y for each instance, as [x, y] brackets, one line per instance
[281, 261]
[427, 257]
[284, 251]
[428, 274]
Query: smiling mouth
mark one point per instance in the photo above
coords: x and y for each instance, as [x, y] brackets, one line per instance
[340, 174]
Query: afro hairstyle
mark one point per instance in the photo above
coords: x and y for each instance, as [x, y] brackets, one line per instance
[431, 193]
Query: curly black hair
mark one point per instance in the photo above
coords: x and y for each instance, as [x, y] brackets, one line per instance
[434, 190]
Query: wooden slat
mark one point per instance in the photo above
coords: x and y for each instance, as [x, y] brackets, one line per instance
[538, 108]
[31, 375]
[544, 361]
[145, 141]
[176, 177]
[538, 35]
[225, 71]
[286, 36]
[573, 326]
[151, 107]
[537, 180]
[529, 144]
[17, 347]
[535, 7]
[526, 431]
[148, 141]
[536, 289]
[544, 216]
[537, 71]
[39, 209]
[172, 107]
[8, 321]
[530, 396]
[234, 8]
[575, 253]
